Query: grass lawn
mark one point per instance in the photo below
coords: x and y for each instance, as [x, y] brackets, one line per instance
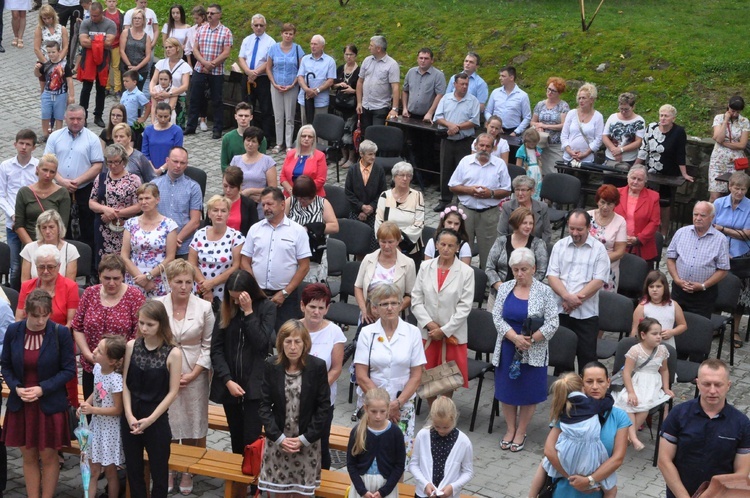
[691, 54]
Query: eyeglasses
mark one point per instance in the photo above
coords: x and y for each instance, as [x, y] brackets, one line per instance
[43, 268]
[389, 305]
[552, 90]
[114, 161]
[212, 13]
[258, 25]
[349, 55]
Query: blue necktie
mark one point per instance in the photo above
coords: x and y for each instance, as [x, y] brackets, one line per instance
[255, 52]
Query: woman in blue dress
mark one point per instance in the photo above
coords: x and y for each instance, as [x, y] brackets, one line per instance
[614, 436]
[517, 300]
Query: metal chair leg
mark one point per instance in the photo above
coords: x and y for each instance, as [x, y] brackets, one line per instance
[476, 403]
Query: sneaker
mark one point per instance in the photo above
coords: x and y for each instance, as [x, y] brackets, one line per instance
[2, 50]
[203, 126]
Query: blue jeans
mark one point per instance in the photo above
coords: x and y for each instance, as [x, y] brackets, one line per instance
[53, 106]
[15, 256]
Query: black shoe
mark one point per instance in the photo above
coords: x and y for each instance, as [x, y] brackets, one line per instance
[216, 135]
[189, 131]
[2, 50]
[440, 206]
[98, 121]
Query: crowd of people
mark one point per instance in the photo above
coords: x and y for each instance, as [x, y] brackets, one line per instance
[225, 298]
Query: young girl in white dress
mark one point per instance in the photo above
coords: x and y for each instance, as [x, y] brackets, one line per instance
[579, 447]
[648, 386]
[105, 407]
[657, 303]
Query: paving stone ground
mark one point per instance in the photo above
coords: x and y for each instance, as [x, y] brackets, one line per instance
[497, 473]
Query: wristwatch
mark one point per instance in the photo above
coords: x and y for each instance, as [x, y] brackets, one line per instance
[533, 341]
[149, 276]
[284, 293]
[592, 482]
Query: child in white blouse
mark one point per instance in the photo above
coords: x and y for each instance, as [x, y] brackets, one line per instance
[442, 461]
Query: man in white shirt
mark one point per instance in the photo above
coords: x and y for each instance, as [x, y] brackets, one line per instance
[577, 269]
[480, 181]
[16, 172]
[510, 104]
[277, 253]
[252, 61]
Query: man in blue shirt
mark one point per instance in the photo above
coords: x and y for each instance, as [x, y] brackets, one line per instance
[477, 86]
[180, 198]
[510, 104]
[705, 436]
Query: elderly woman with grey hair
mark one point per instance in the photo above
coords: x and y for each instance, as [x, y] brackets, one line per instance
[114, 199]
[644, 219]
[523, 187]
[390, 356]
[517, 300]
[405, 207]
[50, 229]
[364, 184]
[733, 220]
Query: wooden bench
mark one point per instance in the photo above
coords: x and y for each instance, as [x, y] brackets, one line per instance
[334, 484]
[221, 465]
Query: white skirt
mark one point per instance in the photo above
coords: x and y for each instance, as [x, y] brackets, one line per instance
[373, 482]
[17, 4]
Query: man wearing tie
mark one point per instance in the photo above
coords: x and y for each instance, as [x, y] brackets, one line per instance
[252, 61]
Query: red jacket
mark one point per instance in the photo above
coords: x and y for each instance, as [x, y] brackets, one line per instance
[315, 167]
[647, 220]
[95, 61]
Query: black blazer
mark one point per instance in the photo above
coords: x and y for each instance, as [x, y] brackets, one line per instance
[238, 351]
[358, 194]
[315, 399]
[56, 366]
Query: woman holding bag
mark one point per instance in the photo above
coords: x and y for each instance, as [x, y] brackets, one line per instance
[730, 134]
[441, 301]
[345, 102]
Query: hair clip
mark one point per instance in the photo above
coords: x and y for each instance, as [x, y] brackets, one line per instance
[453, 209]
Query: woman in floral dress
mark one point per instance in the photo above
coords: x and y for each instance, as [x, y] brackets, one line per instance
[215, 250]
[610, 229]
[149, 243]
[730, 137]
[115, 201]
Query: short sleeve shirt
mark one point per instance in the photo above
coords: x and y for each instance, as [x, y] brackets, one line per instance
[105, 27]
[697, 436]
[211, 42]
[176, 199]
[323, 342]
[316, 72]
[377, 75]
[180, 69]
[75, 154]
[276, 251]
[423, 88]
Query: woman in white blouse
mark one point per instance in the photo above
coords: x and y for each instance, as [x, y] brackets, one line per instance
[390, 356]
[50, 229]
[385, 265]
[327, 344]
[582, 132]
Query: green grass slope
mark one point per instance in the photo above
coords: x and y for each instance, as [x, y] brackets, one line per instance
[692, 54]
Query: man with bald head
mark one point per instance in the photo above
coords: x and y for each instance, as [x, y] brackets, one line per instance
[697, 260]
[317, 72]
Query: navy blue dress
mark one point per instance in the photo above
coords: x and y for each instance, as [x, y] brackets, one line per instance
[530, 387]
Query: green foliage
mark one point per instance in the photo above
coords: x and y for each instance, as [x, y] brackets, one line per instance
[688, 53]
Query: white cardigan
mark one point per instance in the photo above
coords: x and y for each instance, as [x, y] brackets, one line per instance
[459, 467]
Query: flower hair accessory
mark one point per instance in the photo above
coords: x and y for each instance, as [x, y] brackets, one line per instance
[453, 209]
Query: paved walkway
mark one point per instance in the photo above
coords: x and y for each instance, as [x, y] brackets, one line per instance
[497, 473]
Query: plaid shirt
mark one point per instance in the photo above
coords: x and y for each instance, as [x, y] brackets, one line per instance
[698, 257]
[211, 43]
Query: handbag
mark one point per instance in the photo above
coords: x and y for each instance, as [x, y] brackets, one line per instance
[548, 488]
[357, 134]
[617, 384]
[343, 101]
[543, 139]
[740, 163]
[441, 379]
[252, 457]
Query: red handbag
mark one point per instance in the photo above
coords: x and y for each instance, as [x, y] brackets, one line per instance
[740, 163]
[357, 135]
[252, 457]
